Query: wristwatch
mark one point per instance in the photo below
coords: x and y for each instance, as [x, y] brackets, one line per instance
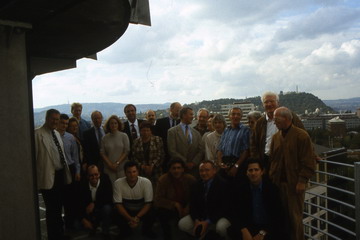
[262, 233]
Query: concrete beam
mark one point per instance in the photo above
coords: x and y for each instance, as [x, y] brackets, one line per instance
[18, 202]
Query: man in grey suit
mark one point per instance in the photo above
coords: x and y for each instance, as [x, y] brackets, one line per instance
[184, 142]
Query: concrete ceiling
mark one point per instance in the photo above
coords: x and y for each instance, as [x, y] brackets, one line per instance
[65, 30]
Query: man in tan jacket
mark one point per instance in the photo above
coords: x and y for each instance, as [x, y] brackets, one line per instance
[292, 164]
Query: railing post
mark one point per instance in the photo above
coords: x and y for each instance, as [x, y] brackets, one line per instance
[357, 197]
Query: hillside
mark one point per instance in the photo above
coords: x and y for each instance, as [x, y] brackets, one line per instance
[298, 102]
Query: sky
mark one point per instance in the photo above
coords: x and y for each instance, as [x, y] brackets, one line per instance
[210, 49]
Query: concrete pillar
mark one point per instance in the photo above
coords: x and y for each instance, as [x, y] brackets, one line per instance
[19, 214]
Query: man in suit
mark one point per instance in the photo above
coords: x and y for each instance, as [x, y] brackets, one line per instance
[52, 172]
[256, 209]
[185, 143]
[132, 125]
[92, 141]
[164, 124]
[208, 204]
[96, 199]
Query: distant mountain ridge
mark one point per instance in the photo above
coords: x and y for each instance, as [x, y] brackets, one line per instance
[297, 102]
[350, 104]
[107, 109]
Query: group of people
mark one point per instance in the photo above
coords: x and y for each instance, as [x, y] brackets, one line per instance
[211, 181]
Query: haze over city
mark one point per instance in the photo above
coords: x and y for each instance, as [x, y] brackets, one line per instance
[210, 49]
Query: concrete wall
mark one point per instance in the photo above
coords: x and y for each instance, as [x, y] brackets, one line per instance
[18, 200]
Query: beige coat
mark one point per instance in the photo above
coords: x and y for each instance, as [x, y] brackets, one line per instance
[292, 156]
[44, 152]
[180, 148]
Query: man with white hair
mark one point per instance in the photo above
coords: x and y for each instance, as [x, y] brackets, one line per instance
[265, 128]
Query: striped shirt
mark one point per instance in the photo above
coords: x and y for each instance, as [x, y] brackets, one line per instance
[234, 141]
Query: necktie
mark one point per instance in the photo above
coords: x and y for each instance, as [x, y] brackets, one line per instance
[133, 132]
[173, 123]
[99, 136]
[187, 134]
[56, 141]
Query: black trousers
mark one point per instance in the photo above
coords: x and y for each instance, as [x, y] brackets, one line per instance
[147, 221]
[167, 218]
[53, 199]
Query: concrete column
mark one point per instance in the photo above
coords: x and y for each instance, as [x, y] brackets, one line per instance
[19, 214]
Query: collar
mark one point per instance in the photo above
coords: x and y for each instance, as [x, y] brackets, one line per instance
[184, 124]
[97, 185]
[237, 127]
[209, 182]
[267, 118]
[135, 123]
[285, 131]
[259, 187]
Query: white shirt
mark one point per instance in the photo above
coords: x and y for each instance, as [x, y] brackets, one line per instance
[133, 198]
[93, 190]
[271, 129]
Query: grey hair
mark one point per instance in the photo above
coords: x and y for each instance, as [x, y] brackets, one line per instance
[268, 93]
[202, 109]
[254, 114]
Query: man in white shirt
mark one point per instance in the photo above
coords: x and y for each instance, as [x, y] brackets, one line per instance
[133, 197]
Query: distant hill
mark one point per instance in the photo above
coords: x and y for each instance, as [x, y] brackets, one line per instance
[297, 102]
[343, 105]
[107, 109]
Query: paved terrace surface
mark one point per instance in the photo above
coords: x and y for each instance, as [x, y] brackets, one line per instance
[83, 234]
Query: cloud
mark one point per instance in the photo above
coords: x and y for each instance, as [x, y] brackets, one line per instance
[210, 49]
[326, 20]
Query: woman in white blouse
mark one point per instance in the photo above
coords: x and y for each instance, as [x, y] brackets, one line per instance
[212, 139]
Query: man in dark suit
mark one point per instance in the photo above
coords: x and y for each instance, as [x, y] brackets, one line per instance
[96, 196]
[92, 141]
[164, 124]
[132, 125]
[256, 209]
[208, 204]
[185, 142]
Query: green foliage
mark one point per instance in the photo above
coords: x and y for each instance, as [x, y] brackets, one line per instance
[297, 102]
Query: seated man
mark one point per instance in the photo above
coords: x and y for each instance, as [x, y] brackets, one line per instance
[173, 195]
[208, 204]
[133, 196]
[96, 197]
[257, 210]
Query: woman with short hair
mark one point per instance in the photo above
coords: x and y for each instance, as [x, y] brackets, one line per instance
[115, 148]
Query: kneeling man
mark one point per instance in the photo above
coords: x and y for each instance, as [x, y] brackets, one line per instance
[96, 197]
[208, 204]
[133, 197]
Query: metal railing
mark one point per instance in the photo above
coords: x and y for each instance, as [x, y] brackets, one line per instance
[332, 208]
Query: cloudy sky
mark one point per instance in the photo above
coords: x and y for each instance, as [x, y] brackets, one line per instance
[210, 49]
